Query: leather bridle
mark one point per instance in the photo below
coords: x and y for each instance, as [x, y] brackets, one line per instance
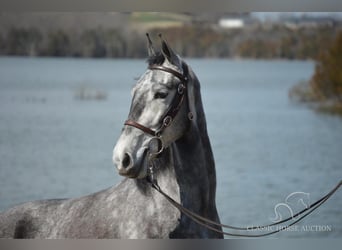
[175, 106]
[169, 116]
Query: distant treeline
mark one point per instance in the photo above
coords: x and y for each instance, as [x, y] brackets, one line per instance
[189, 41]
[60, 43]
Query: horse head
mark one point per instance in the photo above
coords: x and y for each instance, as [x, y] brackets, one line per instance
[159, 113]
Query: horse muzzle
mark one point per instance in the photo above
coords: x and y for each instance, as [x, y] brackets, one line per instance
[133, 167]
[135, 162]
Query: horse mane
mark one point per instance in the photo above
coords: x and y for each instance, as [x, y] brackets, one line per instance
[202, 126]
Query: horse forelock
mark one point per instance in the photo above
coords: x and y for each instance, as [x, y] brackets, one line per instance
[157, 59]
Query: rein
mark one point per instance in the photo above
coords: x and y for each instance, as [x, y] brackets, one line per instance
[210, 224]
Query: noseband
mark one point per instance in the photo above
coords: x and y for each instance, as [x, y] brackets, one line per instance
[175, 106]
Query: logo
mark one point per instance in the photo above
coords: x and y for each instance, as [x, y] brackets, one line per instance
[293, 202]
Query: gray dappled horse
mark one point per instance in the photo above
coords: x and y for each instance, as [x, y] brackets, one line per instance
[166, 129]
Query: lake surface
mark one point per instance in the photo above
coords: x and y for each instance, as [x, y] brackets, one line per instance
[53, 145]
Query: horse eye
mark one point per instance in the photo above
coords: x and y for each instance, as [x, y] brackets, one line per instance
[160, 95]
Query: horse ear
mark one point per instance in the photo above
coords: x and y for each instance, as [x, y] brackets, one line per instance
[151, 51]
[169, 54]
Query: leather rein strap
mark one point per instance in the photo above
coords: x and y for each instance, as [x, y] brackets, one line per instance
[212, 225]
[174, 107]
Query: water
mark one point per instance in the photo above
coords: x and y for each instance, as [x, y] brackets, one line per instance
[266, 147]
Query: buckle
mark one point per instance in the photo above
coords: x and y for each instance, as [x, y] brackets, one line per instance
[181, 88]
[167, 121]
[190, 116]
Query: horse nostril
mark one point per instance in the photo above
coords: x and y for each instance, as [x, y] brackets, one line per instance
[126, 160]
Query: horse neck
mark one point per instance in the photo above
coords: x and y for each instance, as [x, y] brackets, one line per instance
[194, 164]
